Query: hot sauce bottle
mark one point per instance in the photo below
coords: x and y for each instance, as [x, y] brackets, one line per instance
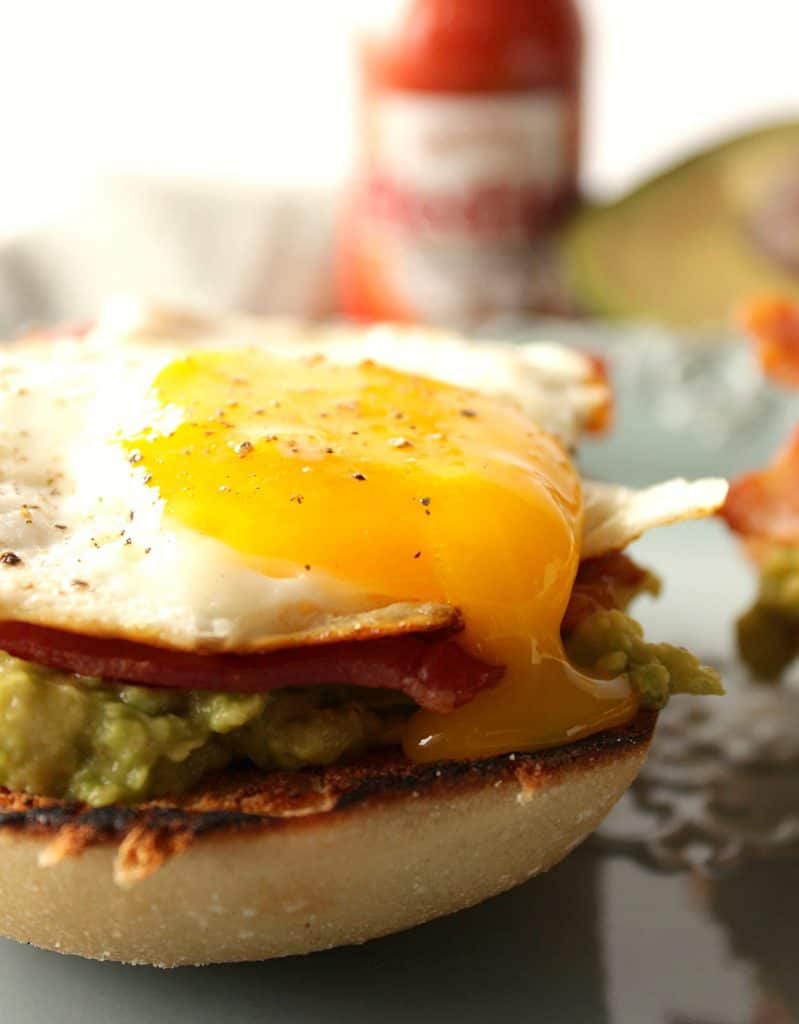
[468, 160]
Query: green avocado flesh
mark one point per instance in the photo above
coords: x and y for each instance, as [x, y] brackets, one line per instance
[688, 246]
[768, 634]
[70, 736]
[610, 643]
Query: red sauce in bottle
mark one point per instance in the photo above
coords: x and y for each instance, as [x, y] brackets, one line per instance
[469, 135]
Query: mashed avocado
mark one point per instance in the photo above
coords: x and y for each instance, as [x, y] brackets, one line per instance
[609, 643]
[768, 634]
[69, 736]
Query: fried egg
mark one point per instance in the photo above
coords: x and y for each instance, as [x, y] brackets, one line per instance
[238, 485]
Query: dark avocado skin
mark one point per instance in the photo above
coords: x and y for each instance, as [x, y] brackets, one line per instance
[689, 245]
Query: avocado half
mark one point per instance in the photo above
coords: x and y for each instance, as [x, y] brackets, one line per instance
[688, 245]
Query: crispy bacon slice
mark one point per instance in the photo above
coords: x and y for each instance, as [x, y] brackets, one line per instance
[610, 581]
[773, 323]
[764, 504]
[430, 669]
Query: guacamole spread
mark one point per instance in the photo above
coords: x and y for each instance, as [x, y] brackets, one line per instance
[70, 736]
[768, 634]
[610, 643]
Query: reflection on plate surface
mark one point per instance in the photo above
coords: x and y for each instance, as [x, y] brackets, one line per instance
[721, 784]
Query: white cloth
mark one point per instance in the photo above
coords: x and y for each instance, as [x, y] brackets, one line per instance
[207, 246]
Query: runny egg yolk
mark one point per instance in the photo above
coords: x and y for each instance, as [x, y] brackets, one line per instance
[408, 489]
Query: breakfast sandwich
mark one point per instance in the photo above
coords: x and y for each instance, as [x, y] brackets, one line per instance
[763, 505]
[307, 634]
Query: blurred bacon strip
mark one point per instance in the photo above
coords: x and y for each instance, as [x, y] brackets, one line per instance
[764, 504]
[601, 418]
[70, 329]
[610, 581]
[773, 323]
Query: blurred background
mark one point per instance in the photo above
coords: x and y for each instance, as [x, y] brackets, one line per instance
[263, 92]
[176, 119]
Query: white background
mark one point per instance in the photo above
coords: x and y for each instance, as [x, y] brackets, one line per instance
[260, 90]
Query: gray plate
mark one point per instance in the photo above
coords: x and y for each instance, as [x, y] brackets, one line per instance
[684, 909]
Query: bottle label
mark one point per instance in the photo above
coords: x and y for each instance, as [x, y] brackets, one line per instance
[460, 193]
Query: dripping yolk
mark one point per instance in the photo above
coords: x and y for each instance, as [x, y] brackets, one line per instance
[407, 489]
